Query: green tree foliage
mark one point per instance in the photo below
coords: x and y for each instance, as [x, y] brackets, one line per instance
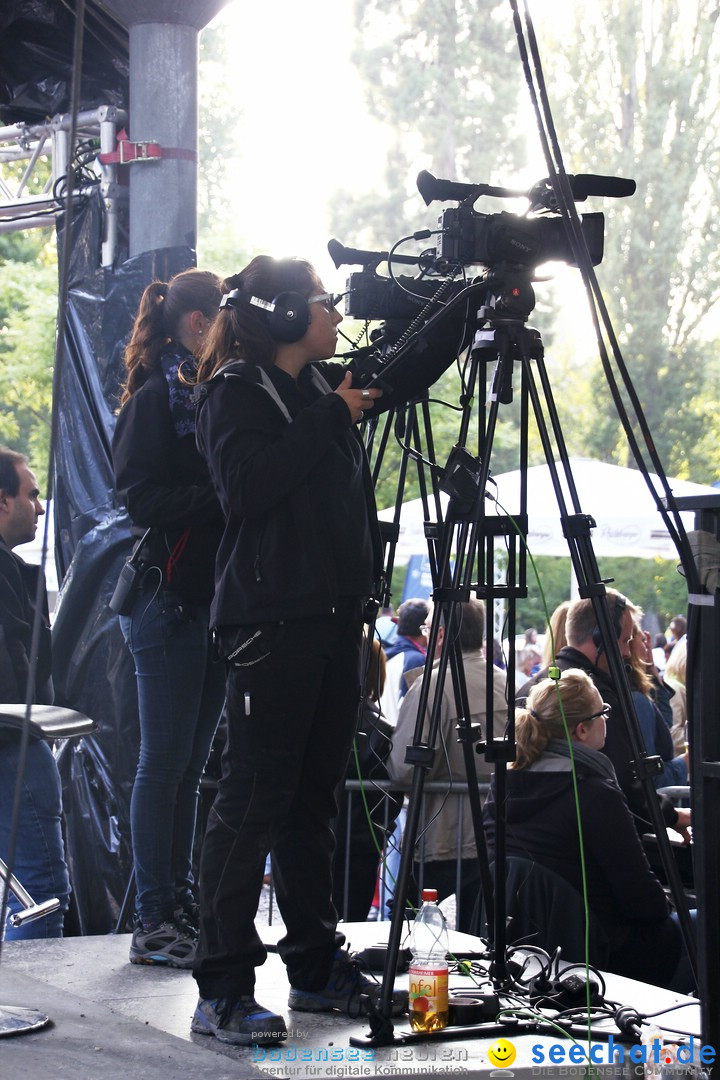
[635, 87]
[220, 246]
[28, 314]
[652, 584]
[436, 76]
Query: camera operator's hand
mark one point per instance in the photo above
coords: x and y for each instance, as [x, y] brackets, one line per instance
[357, 399]
[682, 825]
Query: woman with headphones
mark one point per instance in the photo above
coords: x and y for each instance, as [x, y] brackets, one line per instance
[164, 483]
[299, 557]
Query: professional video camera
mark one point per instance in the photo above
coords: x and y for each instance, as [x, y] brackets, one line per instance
[370, 296]
[468, 237]
[504, 243]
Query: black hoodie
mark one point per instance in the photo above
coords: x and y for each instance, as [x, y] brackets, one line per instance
[541, 824]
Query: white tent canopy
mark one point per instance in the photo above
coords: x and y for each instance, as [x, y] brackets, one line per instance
[626, 514]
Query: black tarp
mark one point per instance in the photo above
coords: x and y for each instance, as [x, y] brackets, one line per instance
[36, 58]
[92, 667]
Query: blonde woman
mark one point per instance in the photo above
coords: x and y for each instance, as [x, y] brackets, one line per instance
[675, 672]
[561, 728]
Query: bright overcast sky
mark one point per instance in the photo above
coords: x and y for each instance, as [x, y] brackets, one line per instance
[303, 114]
[301, 108]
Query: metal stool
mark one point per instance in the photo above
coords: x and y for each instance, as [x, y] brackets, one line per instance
[49, 722]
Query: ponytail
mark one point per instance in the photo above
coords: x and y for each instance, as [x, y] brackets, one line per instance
[158, 320]
[149, 337]
[552, 709]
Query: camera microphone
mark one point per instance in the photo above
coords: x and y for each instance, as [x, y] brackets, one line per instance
[609, 187]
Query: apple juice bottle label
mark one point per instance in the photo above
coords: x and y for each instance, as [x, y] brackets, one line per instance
[428, 997]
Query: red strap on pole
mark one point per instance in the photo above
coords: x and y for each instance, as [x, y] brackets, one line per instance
[128, 152]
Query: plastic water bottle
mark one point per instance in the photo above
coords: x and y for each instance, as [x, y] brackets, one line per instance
[428, 998]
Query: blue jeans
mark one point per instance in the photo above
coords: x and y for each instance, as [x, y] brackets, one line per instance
[180, 697]
[39, 853]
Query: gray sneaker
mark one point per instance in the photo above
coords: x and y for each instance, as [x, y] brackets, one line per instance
[171, 944]
[238, 1020]
[348, 991]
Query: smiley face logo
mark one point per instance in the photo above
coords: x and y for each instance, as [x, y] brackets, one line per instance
[501, 1053]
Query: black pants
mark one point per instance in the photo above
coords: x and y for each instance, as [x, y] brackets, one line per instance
[290, 722]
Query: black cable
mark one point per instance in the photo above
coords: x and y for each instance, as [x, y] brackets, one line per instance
[59, 359]
[566, 204]
[583, 260]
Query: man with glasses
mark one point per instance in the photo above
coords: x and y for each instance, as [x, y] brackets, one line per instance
[39, 853]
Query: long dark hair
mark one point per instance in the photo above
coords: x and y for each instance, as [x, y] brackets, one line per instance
[157, 322]
[242, 332]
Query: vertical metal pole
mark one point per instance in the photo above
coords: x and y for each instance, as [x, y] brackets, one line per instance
[163, 108]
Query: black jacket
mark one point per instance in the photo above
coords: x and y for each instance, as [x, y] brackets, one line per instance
[617, 742]
[301, 525]
[18, 588]
[295, 487]
[541, 824]
[163, 481]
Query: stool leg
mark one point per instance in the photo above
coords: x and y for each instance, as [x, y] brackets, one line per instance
[122, 923]
[32, 910]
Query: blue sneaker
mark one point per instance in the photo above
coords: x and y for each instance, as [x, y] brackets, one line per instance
[240, 1021]
[348, 991]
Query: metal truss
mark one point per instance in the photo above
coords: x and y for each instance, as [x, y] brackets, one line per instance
[50, 142]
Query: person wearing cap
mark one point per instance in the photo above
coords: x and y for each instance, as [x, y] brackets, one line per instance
[409, 645]
[448, 851]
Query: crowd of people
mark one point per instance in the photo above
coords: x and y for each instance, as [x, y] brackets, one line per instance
[237, 455]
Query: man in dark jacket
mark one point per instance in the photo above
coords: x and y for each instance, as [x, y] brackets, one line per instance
[585, 650]
[40, 857]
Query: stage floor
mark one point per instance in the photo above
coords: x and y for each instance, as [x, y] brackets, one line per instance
[112, 1020]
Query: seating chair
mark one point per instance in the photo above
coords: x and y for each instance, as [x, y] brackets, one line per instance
[543, 909]
[50, 722]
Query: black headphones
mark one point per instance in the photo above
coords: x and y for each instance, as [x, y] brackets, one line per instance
[288, 315]
[618, 614]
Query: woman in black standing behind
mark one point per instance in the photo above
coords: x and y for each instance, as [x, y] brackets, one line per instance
[164, 483]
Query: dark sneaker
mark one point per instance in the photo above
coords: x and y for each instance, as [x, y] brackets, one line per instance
[238, 1020]
[170, 944]
[348, 991]
[188, 916]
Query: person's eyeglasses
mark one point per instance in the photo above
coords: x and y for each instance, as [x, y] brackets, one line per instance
[328, 300]
[605, 712]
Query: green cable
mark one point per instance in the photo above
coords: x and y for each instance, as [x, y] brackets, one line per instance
[554, 674]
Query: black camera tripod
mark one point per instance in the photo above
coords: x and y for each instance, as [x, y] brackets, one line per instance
[502, 342]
